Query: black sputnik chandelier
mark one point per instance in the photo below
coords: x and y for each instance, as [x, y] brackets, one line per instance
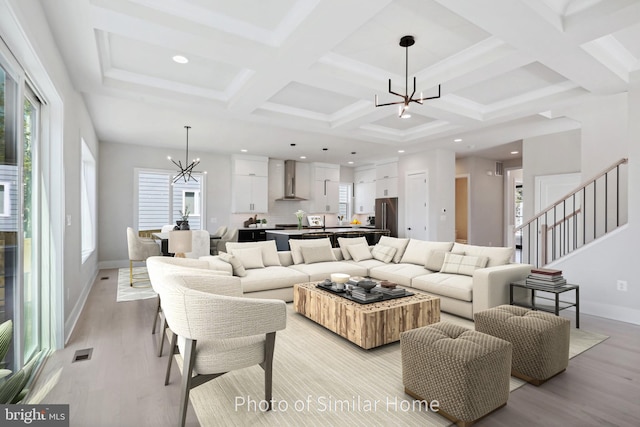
[187, 169]
[403, 113]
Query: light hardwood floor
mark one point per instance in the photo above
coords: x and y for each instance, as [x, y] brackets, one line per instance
[122, 384]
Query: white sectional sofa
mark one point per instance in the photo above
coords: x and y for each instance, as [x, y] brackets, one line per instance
[467, 278]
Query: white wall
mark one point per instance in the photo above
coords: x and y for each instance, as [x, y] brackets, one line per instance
[548, 155]
[440, 168]
[607, 136]
[116, 193]
[25, 29]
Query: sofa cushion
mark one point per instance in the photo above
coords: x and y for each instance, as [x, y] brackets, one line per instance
[236, 265]
[313, 254]
[323, 270]
[417, 250]
[454, 286]
[249, 257]
[383, 253]
[496, 255]
[296, 244]
[269, 250]
[343, 242]
[462, 264]
[398, 273]
[368, 263]
[394, 242]
[359, 252]
[273, 277]
[435, 259]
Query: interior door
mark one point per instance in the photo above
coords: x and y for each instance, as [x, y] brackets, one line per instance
[417, 209]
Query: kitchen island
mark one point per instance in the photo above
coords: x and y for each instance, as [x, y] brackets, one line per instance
[282, 236]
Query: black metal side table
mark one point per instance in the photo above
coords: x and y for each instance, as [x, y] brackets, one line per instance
[558, 304]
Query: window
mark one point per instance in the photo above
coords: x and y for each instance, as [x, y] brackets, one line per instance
[88, 201]
[344, 201]
[160, 202]
[191, 202]
[5, 201]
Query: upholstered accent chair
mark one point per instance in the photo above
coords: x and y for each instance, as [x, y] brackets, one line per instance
[213, 248]
[216, 333]
[139, 250]
[231, 235]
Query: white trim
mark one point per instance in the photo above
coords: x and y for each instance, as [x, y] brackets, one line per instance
[74, 316]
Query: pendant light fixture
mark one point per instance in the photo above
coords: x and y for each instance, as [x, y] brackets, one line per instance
[405, 42]
[186, 170]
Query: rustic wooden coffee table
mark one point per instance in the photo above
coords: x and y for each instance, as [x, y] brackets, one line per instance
[367, 325]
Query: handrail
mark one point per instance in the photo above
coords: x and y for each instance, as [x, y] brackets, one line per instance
[595, 214]
[572, 193]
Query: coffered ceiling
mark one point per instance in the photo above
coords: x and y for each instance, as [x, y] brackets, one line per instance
[263, 75]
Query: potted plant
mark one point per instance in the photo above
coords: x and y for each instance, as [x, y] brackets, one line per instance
[184, 223]
[264, 222]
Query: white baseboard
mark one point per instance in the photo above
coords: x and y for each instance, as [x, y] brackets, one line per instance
[103, 265]
[613, 312]
[70, 324]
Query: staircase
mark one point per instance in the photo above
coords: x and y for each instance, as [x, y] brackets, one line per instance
[594, 209]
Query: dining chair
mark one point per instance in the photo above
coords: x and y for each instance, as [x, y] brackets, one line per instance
[139, 250]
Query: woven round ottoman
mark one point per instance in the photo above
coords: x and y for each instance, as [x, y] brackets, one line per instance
[540, 340]
[466, 371]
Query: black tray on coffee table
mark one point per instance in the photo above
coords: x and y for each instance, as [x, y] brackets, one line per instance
[330, 287]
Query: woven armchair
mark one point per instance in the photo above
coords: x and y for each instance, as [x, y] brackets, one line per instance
[216, 334]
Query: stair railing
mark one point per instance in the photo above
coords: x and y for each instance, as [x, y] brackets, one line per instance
[594, 209]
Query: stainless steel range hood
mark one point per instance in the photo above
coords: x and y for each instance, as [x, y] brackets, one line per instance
[290, 182]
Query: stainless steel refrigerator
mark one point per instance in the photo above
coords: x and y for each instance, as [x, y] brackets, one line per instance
[387, 215]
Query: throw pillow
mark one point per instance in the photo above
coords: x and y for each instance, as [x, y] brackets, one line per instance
[269, 250]
[462, 264]
[313, 254]
[296, 244]
[383, 253]
[250, 257]
[343, 242]
[394, 242]
[416, 251]
[359, 252]
[236, 265]
[435, 259]
[497, 255]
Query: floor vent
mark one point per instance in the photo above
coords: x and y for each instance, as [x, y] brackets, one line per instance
[80, 355]
[104, 278]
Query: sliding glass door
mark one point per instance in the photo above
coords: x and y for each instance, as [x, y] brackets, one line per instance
[20, 281]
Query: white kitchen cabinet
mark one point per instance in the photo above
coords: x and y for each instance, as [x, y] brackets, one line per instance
[387, 180]
[250, 184]
[325, 183]
[364, 190]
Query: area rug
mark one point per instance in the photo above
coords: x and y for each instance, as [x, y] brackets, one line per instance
[322, 379]
[128, 293]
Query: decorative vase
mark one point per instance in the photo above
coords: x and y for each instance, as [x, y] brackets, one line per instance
[299, 223]
[182, 225]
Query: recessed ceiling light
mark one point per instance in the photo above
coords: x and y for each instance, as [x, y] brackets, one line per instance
[244, 150]
[400, 151]
[514, 152]
[457, 140]
[350, 163]
[303, 157]
[180, 59]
